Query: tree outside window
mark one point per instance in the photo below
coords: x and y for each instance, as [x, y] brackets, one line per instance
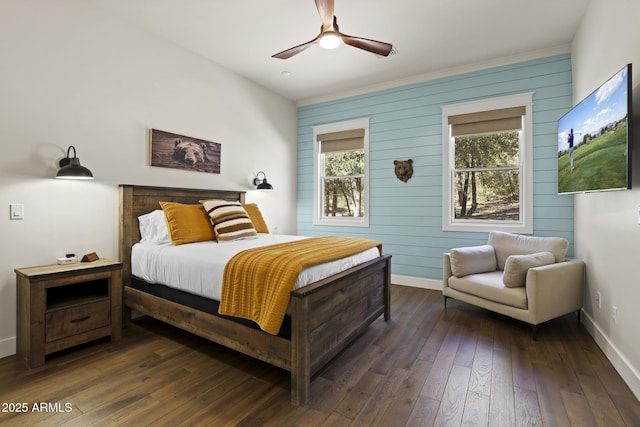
[343, 183]
[487, 176]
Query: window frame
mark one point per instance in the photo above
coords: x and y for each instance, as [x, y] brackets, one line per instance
[318, 194]
[525, 224]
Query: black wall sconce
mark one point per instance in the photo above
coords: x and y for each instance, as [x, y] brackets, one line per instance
[262, 184]
[70, 167]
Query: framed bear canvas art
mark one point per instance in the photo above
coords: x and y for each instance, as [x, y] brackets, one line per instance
[170, 150]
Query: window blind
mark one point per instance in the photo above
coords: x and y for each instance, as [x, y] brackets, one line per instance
[503, 119]
[352, 139]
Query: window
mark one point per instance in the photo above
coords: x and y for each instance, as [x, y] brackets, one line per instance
[341, 184]
[487, 175]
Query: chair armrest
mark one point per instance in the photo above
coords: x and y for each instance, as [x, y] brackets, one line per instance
[554, 290]
[446, 270]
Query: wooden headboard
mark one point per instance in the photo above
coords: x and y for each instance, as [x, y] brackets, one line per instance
[136, 200]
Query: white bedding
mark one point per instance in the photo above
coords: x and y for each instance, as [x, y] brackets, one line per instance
[198, 267]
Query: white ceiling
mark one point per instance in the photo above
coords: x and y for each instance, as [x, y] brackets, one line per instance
[430, 36]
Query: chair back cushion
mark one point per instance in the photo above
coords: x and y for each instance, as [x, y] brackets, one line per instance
[506, 244]
[472, 260]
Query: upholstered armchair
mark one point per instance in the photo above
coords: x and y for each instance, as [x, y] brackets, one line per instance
[523, 277]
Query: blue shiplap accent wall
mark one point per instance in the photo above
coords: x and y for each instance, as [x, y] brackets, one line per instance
[406, 123]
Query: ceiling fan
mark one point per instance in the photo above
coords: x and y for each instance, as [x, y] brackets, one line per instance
[330, 36]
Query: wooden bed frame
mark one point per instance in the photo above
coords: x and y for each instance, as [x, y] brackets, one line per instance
[325, 316]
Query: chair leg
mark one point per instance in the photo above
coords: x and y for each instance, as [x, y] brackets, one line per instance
[534, 332]
[445, 301]
[578, 312]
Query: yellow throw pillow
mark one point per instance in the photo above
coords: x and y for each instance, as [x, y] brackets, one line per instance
[187, 223]
[256, 217]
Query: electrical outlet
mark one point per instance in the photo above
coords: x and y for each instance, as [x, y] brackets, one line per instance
[599, 299]
[614, 314]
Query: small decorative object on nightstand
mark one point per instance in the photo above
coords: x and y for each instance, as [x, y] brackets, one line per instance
[90, 257]
[60, 306]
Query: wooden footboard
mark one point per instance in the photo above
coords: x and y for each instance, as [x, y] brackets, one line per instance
[326, 316]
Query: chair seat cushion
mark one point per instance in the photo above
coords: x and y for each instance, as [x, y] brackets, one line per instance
[490, 287]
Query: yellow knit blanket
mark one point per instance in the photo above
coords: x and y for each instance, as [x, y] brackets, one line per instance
[257, 283]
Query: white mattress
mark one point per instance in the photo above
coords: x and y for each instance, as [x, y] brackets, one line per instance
[198, 267]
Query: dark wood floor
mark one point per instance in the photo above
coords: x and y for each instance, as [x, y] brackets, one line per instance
[428, 366]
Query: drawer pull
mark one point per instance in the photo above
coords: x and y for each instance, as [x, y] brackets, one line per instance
[80, 319]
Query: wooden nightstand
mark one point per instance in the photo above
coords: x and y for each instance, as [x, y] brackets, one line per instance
[60, 306]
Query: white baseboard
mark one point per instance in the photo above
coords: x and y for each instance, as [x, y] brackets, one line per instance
[621, 364]
[7, 347]
[416, 282]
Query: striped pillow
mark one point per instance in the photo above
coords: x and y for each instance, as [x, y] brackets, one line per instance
[230, 220]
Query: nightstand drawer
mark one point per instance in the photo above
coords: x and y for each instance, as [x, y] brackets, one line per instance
[75, 320]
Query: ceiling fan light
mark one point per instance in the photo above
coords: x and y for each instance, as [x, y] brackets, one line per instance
[330, 40]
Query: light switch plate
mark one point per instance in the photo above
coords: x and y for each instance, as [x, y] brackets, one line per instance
[16, 211]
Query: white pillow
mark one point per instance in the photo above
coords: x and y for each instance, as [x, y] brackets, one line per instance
[472, 260]
[517, 266]
[153, 228]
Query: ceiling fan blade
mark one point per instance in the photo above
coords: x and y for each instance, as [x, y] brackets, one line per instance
[379, 48]
[326, 11]
[285, 54]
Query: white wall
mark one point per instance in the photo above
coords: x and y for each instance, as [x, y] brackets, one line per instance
[74, 75]
[607, 233]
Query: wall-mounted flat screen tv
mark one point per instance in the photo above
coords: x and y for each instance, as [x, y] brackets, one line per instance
[594, 139]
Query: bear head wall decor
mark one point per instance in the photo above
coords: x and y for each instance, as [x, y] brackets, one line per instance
[403, 169]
